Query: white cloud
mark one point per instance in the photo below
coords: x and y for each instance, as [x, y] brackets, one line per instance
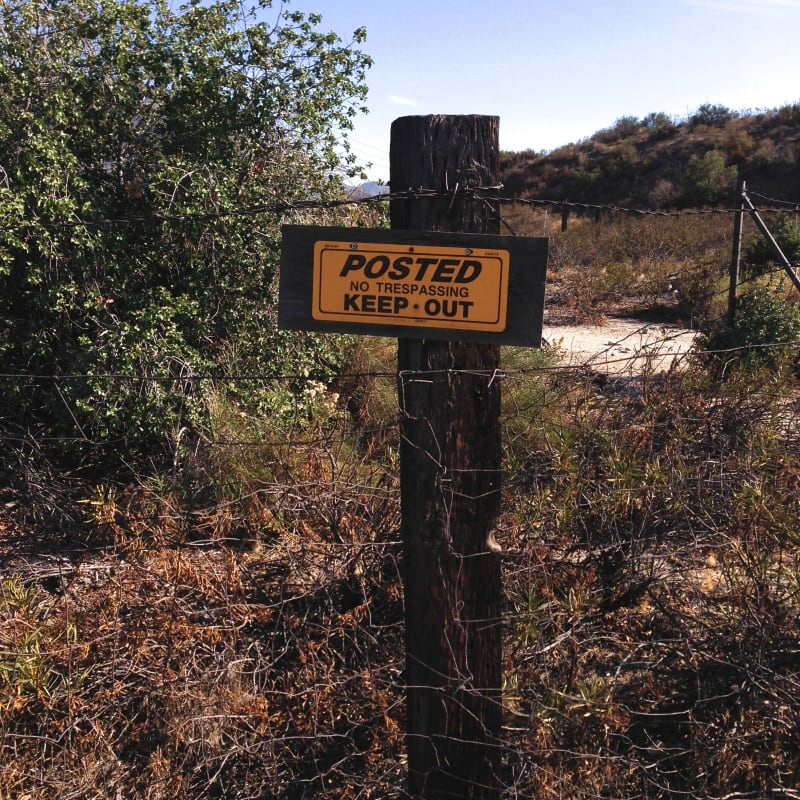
[401, 101]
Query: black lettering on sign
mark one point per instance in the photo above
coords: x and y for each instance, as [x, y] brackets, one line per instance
[401, 267]
[445, 269]
[351, 302]
[375, 303]
[354, 261]
[468, 272]
[376, 267]
[448, 308]
[432, 268]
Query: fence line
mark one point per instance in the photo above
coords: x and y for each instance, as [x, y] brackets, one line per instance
[254, 644]
[488, 193]
[233, 627]
[578, 367]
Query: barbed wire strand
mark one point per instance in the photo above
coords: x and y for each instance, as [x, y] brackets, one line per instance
[480, 193]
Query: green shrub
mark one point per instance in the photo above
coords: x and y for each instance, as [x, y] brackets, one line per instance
[713, 115]
[623, 128]
[142, 146]
[708, 179]
[659, 126]
[789, 114]
[759, 255]
[765, 332]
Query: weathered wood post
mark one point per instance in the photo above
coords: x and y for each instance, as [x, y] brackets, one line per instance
[452, 290]
[450, 462]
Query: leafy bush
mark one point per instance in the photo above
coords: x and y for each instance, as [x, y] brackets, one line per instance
[708, 179]
[712, 114]
[659, 126]
[765, 332]
[789, 114]
[739, 146]
[623, 128]
[759, 254]
[139, 147]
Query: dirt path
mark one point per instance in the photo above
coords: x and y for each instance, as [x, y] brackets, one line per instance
[621, 346]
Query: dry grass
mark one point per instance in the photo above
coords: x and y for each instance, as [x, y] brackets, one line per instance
[665, 268]
[233, 627]
[264, 667]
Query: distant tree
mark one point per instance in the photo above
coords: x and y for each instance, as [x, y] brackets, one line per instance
[658, 126]
[627, 126]
[656, 119]
[137, 144]
[789, 114]
[623, 128]
[708, 179]
[716, 116]
[768, 153]
[739, 146]
[586, 183]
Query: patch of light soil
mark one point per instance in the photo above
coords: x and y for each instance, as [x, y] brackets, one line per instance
[621, 346]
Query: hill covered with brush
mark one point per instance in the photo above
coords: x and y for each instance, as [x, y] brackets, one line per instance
[658, 162]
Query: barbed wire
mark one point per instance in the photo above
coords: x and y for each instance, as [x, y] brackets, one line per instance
[668, 333]
[477, 193]
[217, 647]
[791, 205]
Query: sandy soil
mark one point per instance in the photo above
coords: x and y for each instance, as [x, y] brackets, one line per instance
[622, 346]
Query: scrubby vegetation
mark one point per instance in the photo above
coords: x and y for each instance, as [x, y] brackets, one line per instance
[200, 591]
[232, 626]
[141, 151]
[658, 162]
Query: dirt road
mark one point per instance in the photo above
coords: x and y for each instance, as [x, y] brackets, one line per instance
[621, 346]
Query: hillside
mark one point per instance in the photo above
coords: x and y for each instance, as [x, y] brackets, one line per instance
[658, 162]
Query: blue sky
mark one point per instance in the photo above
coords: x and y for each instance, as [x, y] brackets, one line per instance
[558, 71]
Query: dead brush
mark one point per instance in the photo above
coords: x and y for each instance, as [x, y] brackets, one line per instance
[686, 494]
[237, 626]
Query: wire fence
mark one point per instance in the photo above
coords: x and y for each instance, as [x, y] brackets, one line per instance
[232, 625]
[493, 194]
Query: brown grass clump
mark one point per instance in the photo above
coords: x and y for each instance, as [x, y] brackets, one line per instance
[250, 647]
[667, 268]
[654, 623]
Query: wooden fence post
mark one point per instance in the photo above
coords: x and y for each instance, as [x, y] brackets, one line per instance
[450, 462]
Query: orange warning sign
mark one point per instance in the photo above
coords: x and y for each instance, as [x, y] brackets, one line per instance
[420, 285]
